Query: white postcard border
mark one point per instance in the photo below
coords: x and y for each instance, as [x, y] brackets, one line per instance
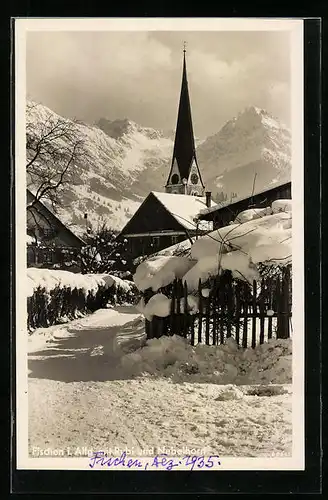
[295, 27]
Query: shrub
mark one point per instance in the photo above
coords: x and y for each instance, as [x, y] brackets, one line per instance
[46, 308]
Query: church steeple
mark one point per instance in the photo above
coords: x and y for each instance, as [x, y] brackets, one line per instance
[184, 176]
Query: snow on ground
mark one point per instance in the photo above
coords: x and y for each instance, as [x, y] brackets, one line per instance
[91, 331]
[223, 364]
[92, 386]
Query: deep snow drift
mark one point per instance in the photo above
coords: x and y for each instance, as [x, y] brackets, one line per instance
[174, 357]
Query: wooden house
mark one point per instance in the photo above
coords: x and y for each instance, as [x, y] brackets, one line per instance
[163, 220]
[50, 243]
[166, 218]
[221, 214]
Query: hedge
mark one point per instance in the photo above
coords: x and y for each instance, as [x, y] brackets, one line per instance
[46, 308]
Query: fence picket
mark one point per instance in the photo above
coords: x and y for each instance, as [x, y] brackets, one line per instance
[185, 310]
[254, 313]
[228, 310]
[279, 332]
[285, 304]
[245, 314]
[172, 310]
[178, 315]
[262, 311]
[270, 307]
[207, 320]
[200, 314]
[215, 313]
[221, 304]
[238, 312]
[192, 329]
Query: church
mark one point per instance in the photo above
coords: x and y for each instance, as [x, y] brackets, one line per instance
[167, 218]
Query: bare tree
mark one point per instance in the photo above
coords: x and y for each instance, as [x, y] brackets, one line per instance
[104, 253]
[54, 146]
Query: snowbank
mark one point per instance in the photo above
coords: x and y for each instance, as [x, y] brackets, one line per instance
[239, 247]
[281, 206]
[159, 305]
[251, 214]
[160, 271]
[259, 235]
[182, 248]
[29, 240]
[174, 357]
[51, 278]
[270, 229]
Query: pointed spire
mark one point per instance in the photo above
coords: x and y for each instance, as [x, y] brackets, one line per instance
[184, 145]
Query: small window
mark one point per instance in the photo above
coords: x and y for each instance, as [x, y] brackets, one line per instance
[47, 256]
[194, 178]
[155, 241]
[48, 232]
[175, 179]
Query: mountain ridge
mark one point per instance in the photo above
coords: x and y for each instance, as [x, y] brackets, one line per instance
[126, 161]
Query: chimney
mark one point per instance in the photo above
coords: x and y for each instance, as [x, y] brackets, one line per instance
[208, 198]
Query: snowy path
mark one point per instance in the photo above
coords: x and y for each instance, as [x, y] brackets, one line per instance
[82, 400]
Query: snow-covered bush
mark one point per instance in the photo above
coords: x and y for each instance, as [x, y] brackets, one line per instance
[174, 357]
[160, 271]
[53, 296]
[257, 237]
[216, 281]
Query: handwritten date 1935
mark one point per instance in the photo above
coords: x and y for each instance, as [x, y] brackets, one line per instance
[161, 461]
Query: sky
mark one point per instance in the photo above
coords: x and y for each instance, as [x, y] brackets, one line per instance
[137, 75]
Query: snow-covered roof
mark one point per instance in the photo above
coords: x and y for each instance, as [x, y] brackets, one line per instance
[239, 247]
[223, 204]
[45, 206]
[184, 208]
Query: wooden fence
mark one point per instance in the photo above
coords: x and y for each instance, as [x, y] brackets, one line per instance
[251, 314]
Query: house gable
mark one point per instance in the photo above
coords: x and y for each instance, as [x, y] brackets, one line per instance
[151, 216]
[40, 219]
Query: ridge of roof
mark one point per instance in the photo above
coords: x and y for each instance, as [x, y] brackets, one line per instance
[220, 205]
[182, 207]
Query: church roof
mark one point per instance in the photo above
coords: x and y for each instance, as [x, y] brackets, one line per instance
[184, 143]
[182, 207]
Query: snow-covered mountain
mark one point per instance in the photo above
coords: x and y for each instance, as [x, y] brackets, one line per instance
[253, 143]
[124, 161]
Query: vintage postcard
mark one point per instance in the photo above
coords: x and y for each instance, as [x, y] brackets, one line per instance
[159, 244]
